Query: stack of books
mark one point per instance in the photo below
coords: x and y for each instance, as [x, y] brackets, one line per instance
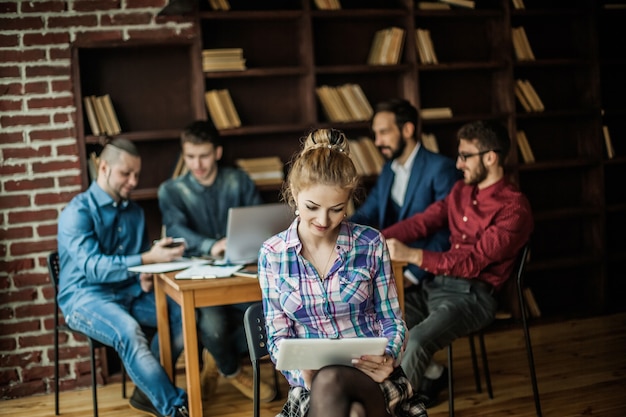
[425, 48]
[345, 103]
[524, 147]
[223, 59]
[386, 46]
[328, 4]
[222, 109]
[518, 4]
[521, 46]
[101, 115]
[366, 157]
[263, 171]
[219, 4]
[429, 141]
[527, 96]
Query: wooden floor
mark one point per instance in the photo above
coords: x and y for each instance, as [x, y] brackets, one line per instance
[581, 368]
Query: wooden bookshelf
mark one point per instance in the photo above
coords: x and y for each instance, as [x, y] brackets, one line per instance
[578, 69]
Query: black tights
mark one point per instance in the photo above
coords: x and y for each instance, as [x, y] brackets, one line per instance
[344, 391]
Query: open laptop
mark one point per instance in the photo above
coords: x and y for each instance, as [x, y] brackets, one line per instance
[248, 227]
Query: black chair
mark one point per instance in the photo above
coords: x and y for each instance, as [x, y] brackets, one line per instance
[254, 325]
[54, 269]
[518, 277]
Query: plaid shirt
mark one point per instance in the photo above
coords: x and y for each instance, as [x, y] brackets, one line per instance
[358, 298]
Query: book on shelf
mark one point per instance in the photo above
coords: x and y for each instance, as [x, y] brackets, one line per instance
[373, 153]
[467, 4]
[366, 157]
[436, 113]
[518, 4]
[432, 5]
[328, 4]
[528, 97]
[223, 59]
[521, 46]
[386, 47]
[429, 141]
[101, 115]
[222, 109]
[610, 151]
[524, 147]
[92, 165]
[345, 103]
[425, 47]
[180, 168]
[219, 4]
[263, 170]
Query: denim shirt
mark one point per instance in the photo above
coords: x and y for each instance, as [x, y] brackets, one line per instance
[98, 240]
[199, 213]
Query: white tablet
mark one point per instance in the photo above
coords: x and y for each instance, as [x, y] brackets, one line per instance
[317, 353]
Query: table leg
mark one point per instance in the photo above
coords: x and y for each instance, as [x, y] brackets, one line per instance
[163, 328]
[192, 358]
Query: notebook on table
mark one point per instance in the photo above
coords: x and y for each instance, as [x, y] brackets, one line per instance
[248, 227]
[317, 353]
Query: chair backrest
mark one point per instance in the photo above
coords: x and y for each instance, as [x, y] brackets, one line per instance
[508, 297]
[254, 326]
[54, 270]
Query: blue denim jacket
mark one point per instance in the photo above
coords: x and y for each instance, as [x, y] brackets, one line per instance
[199, 213]
[98, 239]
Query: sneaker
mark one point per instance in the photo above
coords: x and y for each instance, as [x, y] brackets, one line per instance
[181, 412]
[430, 388]
[208, 376]
[243, 381]
[140, 402]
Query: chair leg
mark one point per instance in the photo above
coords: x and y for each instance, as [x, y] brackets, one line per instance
[450, 383]
[472, 345]
[531, 365]
[123, 371]
[256, 376]
[483, 350]
[94, 382]
[56, 370]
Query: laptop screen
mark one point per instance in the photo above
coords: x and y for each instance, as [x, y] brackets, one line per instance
[248, 227]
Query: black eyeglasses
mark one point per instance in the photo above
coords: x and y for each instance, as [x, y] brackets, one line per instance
[463, 156]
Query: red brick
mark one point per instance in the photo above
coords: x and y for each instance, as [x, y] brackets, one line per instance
[26, 389]
[34, 310]
[55, 166]
[18, 233]
[5, 314]
[51, 134]
[16, 265]
[6, 169]
[108, 35]
[126, 19]
[28, 184]
[9, 105]
[68, 150]
[38, 87]
[29, 55]
[31, 39]
[131, 4]
[29, 280]
[57, 54]
[61, 118]
[47, 70]
[29, 216]
[20, 359]
[92, 5]
[43, 6]
[12, 89]
[9, 72]
[36, 373]
[8, 376]
[26, 294]
[75, 180]
[29, 152]
[162, 33]
[48, 294]
[8, 344]
[47, 230]
[14, 201]
[6, 7]
[8, 40]
[21, 23]
[55, 22]
[43, 103]
[13, 137]
[62, 86]
[12, 329]
[53, 198]
[24, 120]
[26, 248]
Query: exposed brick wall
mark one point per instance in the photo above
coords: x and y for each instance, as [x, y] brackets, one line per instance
[39, 169]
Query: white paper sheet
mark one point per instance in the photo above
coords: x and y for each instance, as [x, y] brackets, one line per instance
[182, 263]
[208, 271]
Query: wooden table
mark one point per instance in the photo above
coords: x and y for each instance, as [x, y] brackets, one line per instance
[191, 294]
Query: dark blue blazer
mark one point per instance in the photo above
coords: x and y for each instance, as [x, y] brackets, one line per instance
[432, 178]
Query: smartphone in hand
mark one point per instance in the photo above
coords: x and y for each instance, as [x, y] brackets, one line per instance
[176, 242]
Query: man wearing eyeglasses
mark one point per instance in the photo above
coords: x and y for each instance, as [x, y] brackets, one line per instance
[489, 220]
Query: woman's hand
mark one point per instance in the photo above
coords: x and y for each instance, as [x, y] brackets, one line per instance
[378, 367]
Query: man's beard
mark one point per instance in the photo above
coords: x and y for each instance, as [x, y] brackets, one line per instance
[479, 175]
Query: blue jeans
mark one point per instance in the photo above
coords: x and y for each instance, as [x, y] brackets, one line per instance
[116, 320]
[442, 310]
[221, 332]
